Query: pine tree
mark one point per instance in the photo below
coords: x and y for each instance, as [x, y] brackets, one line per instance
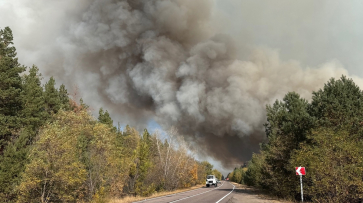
[13, 161]
[339, 104]
[143, 165]
[33, 112]
[10, 88]
[12, 164]
[253, 175]
[51, 96]
[10, 120]
[104, 117]
[323, 134]
[64, 98]
[82, 104]
[288, 123]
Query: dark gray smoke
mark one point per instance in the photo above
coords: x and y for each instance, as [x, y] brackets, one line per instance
[165, 60]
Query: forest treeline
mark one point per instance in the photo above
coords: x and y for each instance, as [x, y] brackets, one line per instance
[325, 135]
[53, 150]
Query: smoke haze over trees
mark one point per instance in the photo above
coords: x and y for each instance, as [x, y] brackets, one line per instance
[168, 61]
[53, 150]
[186, 65]
[324, 135]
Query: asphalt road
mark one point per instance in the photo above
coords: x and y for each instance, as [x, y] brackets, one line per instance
[220, 194]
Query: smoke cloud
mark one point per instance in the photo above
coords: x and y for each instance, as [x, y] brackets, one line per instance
[164, 60]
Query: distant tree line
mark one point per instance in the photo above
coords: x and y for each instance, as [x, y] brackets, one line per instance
[325, 135]
[53, 150]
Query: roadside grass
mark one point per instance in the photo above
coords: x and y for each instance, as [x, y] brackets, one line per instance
[129, 199]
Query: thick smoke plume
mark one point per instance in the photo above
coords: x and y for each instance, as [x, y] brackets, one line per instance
[165, 60]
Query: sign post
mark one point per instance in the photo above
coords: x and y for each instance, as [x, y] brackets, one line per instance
[301, 171]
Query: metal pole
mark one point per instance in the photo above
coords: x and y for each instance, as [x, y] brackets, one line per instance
[302, 195]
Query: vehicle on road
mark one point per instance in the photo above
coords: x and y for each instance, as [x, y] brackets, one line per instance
[211, 180]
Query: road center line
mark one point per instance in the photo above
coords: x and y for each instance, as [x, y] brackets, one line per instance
[196, 194]
[226, 194]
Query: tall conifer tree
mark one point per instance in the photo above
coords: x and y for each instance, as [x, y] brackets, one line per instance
[32, 95]
[63, 97]
[144, 164]
[10, 120]
[104, 117]
[10, 87]
[339, 104]
[51, 96]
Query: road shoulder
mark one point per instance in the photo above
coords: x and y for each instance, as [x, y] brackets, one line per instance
[130, 199]
[243, 193]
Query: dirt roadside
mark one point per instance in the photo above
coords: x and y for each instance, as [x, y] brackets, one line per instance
[245, 194]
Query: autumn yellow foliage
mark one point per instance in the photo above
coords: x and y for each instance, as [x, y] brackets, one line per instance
[74, 158]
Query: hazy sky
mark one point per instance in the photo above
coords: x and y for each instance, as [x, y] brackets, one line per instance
[309, 31]
[312, 32]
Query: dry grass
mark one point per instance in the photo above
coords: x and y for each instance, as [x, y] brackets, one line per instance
[263, 195]
[130, 199]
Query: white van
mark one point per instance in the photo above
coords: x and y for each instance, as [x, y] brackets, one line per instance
[211, 180]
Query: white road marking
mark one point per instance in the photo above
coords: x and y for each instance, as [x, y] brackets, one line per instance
[167, 195]
[226, 194]
[196, 194]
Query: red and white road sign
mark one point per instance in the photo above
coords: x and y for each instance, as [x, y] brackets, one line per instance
[300, 170]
